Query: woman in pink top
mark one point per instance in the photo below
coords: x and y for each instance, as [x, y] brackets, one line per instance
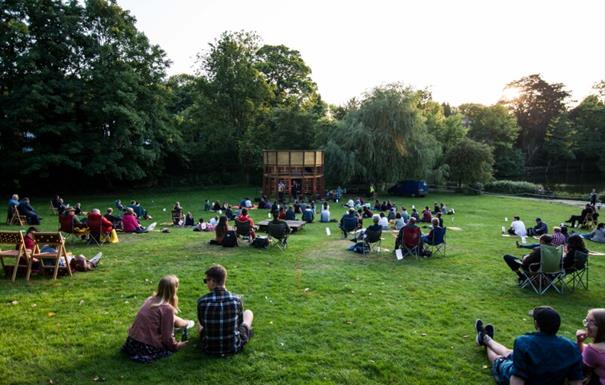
[130, 224]
[151, 336]
[593, 355]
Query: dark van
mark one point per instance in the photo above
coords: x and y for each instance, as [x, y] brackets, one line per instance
[413, 188]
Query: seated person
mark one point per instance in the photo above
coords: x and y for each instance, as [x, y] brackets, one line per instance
[375, 226]
[588, 211]
[224, 326]
[247, 203]
[439, 216]
[116, 221]
[325, 213]
[130, 224]
[367, 213]
[415, 214]
[392, 214]
[405, 215]
[349, 221]
[98, 224]
[279, 222]
[350, 203]
[151, 336]
[220, 230]
[574, 243]
[407, 233]
[435, 235]
[308, 215]
[533, 257]
[177, 214]
[201, 225]
[427, 216]
[383, 222]
[25, 208]
[119, 205]
[14, 201]
[281, 214]
[436, 208]
[558, 239]
[297, 207]
[69, 223]
[213, 221]
[216, 206]
[399, 222]
[537, 358]
[78, 208]
[290, 214]
[593, 355]
[597, 235]
[517, 227]
[377, 205]
[244, 217]
[539, 229]
[189, 221]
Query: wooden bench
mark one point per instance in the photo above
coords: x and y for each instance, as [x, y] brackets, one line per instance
[294, 225]
[16, 250]
[57, 242]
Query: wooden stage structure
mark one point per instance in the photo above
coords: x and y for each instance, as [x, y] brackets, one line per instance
[301, 172]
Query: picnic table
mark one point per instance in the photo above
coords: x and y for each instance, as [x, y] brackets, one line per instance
[294, 225]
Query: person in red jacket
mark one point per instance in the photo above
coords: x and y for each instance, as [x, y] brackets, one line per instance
[98, 224]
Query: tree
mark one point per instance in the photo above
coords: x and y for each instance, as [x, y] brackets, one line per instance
[589, 120]
[559, 144]
[470, 162]
[536, 106]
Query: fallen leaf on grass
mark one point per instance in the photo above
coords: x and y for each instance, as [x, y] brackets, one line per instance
[306, 289]
[81, 302]
[423, 334]
[51, 314]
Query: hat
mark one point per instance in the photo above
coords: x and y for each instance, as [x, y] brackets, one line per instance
[70, 209]
[547, 318]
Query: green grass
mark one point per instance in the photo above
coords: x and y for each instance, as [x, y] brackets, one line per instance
[323, 315]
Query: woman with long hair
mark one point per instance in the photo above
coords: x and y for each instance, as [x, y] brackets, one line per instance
[220, 230]
[151, 336]
[574, 243]
[593, 355]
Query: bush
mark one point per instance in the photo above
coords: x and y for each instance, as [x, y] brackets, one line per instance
[473, 189]
[514, 187]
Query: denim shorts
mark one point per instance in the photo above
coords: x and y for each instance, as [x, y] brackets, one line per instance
[501, 369]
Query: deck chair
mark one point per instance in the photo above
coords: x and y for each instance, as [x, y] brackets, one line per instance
[546, 274]
[19, 254]
[437, 244]
[278, 236]
[56, 241]
[577, 275]
[411, 242]
[17, 218]
[178, 218]
[588, 222]
[53, 209]
[349, 225]
[372, 241]
[242, 229]
[67, 229]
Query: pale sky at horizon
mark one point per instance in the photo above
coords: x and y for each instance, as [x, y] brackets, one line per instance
[463, 51]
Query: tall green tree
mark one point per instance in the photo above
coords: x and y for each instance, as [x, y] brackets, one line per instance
[470, 162]
[589, 122]
[538, 103]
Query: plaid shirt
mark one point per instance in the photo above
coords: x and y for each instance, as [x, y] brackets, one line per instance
[220, 313]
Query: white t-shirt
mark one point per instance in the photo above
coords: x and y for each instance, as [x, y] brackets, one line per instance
[384, 222]
[519, 228]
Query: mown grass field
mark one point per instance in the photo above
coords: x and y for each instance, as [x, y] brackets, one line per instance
[323, 315]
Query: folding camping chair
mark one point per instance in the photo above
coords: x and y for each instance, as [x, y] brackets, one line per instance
[372, 241]
[411, 242]
[19, 254]
[57, 243]
[548, 273]
[243, 229]
[349, 225]
[577, 275]
[278, 236]
[17, 218]
[437, 244]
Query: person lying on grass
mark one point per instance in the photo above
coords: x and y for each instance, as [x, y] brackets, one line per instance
[533, 257]
[558, 239]
[224, 326]
[597, 235]
[151, 336]
[539, 358]
[593, 355]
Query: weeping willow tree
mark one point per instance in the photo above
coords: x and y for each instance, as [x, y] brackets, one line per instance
[383, 140]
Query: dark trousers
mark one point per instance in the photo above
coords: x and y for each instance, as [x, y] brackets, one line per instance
[575, 219]
[514, 263]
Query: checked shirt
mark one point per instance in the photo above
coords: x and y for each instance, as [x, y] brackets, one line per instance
[220, 313]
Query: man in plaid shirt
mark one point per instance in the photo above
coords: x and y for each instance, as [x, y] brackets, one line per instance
[224, 326]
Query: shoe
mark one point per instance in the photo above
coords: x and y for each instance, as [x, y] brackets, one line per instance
[480, 332]
[190, 324]
[489, 330]
[95, 260]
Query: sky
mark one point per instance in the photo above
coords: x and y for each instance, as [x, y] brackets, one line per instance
[463, 51]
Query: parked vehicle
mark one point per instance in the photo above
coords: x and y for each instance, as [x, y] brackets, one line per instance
[413, 188]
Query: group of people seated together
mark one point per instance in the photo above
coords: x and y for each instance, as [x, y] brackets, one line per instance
[224, 326]
[23, 207]
[544, 358]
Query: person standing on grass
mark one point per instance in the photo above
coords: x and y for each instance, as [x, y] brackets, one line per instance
[224, 326]
[539, 358]
[593, 355]
[151, 336]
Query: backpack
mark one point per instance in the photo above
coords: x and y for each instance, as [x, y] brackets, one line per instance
[261, 242]
[230, 239]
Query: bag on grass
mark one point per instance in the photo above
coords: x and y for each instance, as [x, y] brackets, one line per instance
[261, 242]
[230, 239]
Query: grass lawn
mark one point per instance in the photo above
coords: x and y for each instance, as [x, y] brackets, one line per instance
[323, 315]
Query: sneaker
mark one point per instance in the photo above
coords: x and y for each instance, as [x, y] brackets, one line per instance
[480, 332]
[151, 227]
[190, 324]
[489, 330]
[95, 260]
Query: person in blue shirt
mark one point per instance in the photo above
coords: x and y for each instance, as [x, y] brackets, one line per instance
[308, 215]
[539, 229]
[290, 214]
[539, 358]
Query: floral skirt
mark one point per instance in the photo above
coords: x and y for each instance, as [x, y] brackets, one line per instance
[140, 352]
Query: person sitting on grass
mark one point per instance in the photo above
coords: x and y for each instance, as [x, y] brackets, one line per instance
[290, 214]
[366, 213]
[517, 227]
[151, 335]
[539, 229]
[220, 230]
[349, 221]
[116, 221]
[189, 221]
[533, 257]
[383, 222]
[399, 222]
[325, 213]
[308, 215]
[130, 224]
[281, 213]
[558, 239]
[593, 355]
[597, 235]
[539, 358]
[224, 326]
[427, 216]
[405, 215]
[435, 236]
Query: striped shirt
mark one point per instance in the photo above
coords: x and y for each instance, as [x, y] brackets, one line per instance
[220, 314]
